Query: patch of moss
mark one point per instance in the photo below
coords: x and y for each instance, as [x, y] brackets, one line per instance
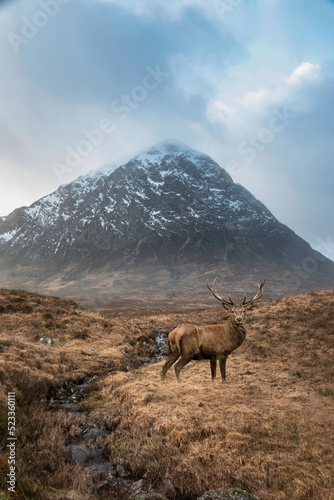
[92, 402]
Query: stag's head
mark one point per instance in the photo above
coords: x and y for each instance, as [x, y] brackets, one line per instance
[237, 311]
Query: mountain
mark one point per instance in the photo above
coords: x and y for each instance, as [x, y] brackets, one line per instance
[157, 226]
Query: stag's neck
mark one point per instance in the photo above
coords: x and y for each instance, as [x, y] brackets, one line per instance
[239, 332]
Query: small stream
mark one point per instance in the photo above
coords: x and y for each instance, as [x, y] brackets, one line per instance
[86, 438]
[87, 442]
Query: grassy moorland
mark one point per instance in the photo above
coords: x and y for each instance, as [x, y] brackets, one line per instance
[83, 343]
[268, 429]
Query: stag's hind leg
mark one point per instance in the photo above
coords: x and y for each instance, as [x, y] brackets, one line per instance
[180, 364]
[170, 361]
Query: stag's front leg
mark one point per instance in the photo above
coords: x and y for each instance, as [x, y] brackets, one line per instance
[213, 366]
[222, 365]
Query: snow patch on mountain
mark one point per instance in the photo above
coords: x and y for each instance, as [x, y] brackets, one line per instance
[5, 237]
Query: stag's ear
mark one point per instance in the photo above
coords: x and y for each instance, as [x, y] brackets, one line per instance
[225, 306]
[248, 306]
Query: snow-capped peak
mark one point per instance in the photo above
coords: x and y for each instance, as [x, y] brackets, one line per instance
[166, 155]
[170, 146]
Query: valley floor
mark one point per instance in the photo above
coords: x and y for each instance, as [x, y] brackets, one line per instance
[268, 429]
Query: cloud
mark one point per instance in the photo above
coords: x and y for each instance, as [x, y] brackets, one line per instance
[305, 71]
[162, 9]
[246, 111]
[105, 47]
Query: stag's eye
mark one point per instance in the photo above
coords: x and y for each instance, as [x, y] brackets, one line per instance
[232, 311]
[243, 311]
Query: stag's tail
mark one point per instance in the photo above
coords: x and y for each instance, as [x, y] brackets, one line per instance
[174, 339]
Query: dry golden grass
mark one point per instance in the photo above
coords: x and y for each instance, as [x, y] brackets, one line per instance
[268, 429]
[83, 342]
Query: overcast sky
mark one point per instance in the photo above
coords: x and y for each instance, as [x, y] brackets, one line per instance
[249, 82]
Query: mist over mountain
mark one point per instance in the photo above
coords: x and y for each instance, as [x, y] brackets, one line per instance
[156, 227]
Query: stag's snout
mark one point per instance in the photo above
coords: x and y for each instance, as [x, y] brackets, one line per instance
[238, 319]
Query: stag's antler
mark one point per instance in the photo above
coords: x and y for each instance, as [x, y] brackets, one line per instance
[256, 297]
[215, 294]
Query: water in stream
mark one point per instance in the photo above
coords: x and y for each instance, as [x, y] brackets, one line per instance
[86, 446]
[86, 438]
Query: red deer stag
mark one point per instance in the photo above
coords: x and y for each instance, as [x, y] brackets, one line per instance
[213, 342]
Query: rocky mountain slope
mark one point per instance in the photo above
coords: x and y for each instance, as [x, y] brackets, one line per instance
[170, 214]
